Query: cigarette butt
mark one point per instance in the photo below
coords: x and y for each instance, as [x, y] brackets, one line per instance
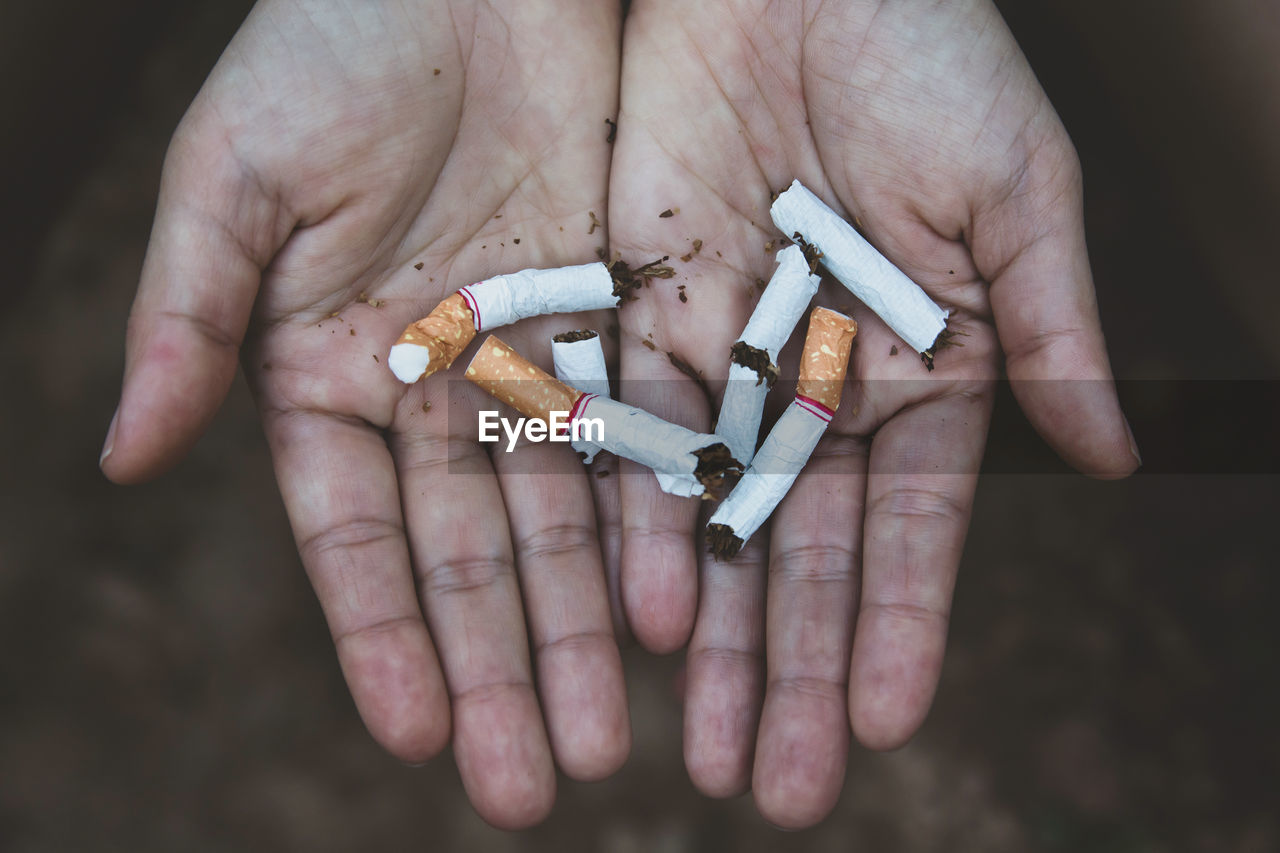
[869, 275]
[579, 362]
[825, 359]
[514, 380]
[432, 343]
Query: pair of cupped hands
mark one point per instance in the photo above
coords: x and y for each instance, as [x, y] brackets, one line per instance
[366, 159]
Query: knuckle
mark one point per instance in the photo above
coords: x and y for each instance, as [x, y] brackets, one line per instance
[915, 502]
[557, 540]
[464, 575]
[353, 534]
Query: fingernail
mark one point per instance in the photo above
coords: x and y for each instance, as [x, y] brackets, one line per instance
[1133, 445]
[110, 443]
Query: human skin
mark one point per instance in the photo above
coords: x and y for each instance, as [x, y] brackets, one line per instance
[324, 158]
[923, 123]
[335, 146]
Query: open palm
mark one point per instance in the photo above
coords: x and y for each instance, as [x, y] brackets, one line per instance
[922, 123]
[347, 165]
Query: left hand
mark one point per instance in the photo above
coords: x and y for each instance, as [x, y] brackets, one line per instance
[924, 123]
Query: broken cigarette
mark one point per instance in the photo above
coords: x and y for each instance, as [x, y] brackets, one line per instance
[579, 362]
[432, 343]
[791, 441]
[754, 358]
[522, 385]
[880, 285]
[623, 430]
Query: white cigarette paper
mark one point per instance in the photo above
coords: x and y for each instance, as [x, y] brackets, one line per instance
[506, 299]
[499, 301]
[880, 285]
[823, 366]
[780, 460]
[581, 364]
[774, 319]
[642, 437]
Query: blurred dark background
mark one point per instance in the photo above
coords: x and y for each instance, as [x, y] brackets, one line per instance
[166, 679]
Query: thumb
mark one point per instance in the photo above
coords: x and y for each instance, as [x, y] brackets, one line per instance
[1031, 248]
[216, 228]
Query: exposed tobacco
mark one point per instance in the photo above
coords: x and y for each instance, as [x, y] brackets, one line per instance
[574, 336]
[686, 368]
[717, 470]
[945, 340]
[627, 280]
[811, 253]
[613, 130]
[721, 542]
[595, 223]
[753, 358]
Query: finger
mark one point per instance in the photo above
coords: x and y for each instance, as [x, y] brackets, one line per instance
[566, 599]
[339, 487]
[659, 566]
[725, 672]
[462, 552]
[813, 586]
[1031, 248]
[606, 491]
[215, 230]
[924, 465]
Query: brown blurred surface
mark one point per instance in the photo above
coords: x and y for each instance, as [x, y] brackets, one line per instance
[167, 682]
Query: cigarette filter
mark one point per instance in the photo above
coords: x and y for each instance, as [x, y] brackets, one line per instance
[790, 443]
[579, 362]
[754, 365]
[880, 285]
[514, 380]
[432, 343]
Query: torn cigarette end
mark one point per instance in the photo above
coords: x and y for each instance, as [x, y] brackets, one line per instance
[826, 356]
[717, 470]
[574, 336]
[722, 542]
[514, 380]
[755, 359]
[432, 343]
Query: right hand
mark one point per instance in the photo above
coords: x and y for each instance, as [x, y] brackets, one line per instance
[335, 146]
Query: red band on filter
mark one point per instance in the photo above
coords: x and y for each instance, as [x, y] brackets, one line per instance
[815, 408]
[578, 408]
[471, 303]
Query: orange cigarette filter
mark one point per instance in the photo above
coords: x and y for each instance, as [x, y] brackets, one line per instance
[825, 359]
[514, 380]
[445, 333]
